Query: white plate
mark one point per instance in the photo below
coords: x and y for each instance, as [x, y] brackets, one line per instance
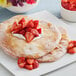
[11, 64]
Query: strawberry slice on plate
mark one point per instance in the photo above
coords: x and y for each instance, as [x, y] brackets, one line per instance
[29, 36]
[21, 62]
[30, 61]
[35, 64]
[29, 67]
[71, 44]
[72, 50]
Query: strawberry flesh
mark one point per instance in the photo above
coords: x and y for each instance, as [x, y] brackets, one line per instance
[21, 62]
[22, 32]
[71, 45]
[21, 65]
[29, 36]
[29, 67]
[22, 21]
[72, 50]
[35, 32]
[36, 23]
[35, 64]
[21, 59]
[39, 30]
[30, 61]
[30, 24]
[28, 29]
[14, 26]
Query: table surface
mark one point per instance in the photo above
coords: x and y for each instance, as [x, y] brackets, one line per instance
[52, 6]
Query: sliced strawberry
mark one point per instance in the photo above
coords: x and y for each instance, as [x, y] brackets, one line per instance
[70, 45]
[35, 32]
[19, 26]
[29, 67]
[14, 26]
[72, 50]
[22, 32]
[16, 31]
[74, 43]
[39, 30]
[21, 65]
[30, 24]
[28, 29]
[35, 64]
[21, 62]
[36, 23]
[22, 21]
[30, 61]
[21, 59]
[29, 36]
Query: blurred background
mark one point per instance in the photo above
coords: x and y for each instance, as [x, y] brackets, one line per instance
[52, 6]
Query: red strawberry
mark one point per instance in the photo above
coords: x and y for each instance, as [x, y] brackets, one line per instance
[30, 24]
[24, 25]
[21, 62]
[72, 50]
[16, 31]
[35, 32]
[29, 36]
[22, 32]
[19, 26]
[30, 1]
[21, 65]
[21, 59]
[29, 67]
[36, 23]
[35, 64]
[70, 45]
[74, 43]
[30, 61]
[22, 21]
[28, 29]
[14, 26]
[39, 30]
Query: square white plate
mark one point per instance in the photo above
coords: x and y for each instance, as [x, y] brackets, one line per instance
[11, 64]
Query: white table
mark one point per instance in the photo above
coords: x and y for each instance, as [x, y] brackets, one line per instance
[69, 70]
